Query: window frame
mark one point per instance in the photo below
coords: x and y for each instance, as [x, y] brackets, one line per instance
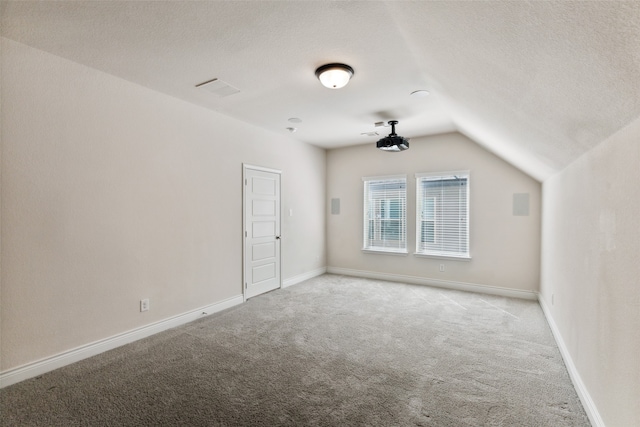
[366, 229]
[441, 254]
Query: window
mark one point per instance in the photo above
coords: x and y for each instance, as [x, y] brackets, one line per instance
[442, 214]
[385, 214]
[429, 220]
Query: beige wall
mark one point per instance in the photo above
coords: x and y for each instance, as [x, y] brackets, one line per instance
[112, 192]
[590, 274]
[505, 248]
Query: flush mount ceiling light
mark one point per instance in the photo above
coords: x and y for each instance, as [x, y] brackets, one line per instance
[393, 142]
[334, 76]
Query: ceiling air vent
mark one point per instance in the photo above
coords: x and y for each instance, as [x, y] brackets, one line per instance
[218, 87]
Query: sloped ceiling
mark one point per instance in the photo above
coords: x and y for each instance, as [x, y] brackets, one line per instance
[537, 83]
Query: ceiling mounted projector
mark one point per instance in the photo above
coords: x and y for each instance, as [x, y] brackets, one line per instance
[393, 142]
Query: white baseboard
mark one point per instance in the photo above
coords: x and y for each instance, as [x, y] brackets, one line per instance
[304, 276]
[583, 393]
[48, 364]
[459, 286]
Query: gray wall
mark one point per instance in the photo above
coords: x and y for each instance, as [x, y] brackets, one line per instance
[505, 249]
[112, 192]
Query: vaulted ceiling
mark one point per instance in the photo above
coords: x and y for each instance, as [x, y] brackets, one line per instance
[537, 83]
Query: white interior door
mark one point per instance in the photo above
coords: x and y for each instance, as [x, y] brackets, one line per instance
[261, 230]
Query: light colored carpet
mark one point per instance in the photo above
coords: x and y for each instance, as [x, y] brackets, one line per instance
[333, 351]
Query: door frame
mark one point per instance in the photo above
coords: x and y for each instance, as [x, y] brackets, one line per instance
[245, 167]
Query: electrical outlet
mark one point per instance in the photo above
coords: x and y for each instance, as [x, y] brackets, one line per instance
[441, 267]
[144, 304]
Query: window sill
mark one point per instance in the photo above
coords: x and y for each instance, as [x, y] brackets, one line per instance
[385, 252]
[450, 257]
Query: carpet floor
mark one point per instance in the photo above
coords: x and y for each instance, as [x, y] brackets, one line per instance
[332, 351]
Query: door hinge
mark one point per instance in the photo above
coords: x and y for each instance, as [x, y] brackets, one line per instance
[245, 285]
[245, 234]
[245, 181]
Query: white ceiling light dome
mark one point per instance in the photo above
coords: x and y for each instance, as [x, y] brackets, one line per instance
[334, 76]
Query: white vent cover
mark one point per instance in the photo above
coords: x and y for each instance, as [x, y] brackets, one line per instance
[218, 87]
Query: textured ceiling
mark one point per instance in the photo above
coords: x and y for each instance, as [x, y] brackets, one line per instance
[538, 83]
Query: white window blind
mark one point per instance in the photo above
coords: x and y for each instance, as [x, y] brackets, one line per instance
[385, 214]
[442, 214]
